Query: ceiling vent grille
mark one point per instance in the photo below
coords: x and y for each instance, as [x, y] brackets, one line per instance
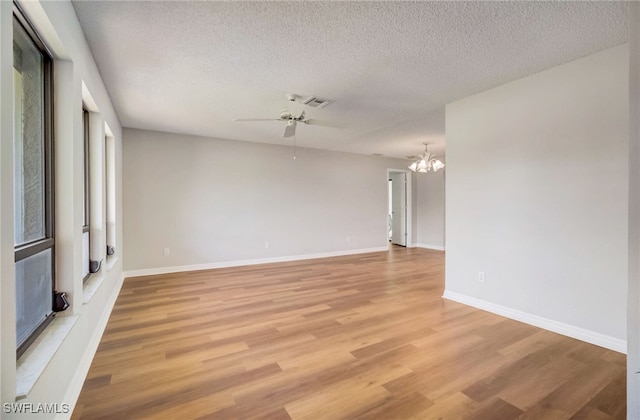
[315, 102]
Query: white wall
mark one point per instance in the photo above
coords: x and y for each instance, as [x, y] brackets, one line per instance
[537, 195]
[218, 201]
[633, 318]
[60, 380]
[430, 221]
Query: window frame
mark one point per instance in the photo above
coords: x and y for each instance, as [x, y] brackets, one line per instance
[32, 248]
[86, 222]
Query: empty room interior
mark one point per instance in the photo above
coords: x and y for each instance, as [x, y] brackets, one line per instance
[305, 210]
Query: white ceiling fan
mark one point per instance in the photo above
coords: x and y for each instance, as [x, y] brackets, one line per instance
[291, 119]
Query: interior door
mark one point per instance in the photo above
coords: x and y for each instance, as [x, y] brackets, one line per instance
[398, 208]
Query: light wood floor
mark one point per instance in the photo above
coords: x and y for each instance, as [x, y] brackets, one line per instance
[364, 336]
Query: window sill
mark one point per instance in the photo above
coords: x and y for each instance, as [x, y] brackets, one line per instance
[35, 360]
[91, 286]
[111, 261]
[94, 281]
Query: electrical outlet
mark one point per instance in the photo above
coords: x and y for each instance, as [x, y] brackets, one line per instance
[481, 277]
[266, 244]
[167, 252]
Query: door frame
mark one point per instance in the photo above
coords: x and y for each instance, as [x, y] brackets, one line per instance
[409, 198]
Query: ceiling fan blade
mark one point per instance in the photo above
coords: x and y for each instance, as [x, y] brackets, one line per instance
[290, 129]
[325, 123]
[256, 119]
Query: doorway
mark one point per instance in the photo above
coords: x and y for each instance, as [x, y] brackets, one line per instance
[399, 208]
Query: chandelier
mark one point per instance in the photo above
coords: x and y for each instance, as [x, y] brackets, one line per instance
[427, 162]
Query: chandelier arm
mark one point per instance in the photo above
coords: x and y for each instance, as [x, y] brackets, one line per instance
[426, 162]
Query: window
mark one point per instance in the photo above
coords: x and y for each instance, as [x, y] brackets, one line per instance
[33, 183]
[86, 234]
[110, 170]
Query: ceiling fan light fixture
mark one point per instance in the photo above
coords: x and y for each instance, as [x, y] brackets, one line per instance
[290, 129]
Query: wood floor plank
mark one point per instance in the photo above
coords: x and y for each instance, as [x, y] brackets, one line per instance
[590, 413]
[403, 406]
[361, 337]
[497, 410]
[525, 367]
[612, 399]
[530, 390]
[452, 406]
[578, 391]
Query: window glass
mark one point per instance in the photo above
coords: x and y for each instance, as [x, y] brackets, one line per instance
[33, 293]
[29, 153]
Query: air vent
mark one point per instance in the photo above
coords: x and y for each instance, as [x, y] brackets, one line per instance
[315, 102]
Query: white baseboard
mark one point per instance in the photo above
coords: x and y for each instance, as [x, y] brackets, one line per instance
[428, 246]
[238, 263]
[75, 387]
[572, 331]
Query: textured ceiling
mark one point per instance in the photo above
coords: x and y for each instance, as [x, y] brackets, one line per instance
[390, 67]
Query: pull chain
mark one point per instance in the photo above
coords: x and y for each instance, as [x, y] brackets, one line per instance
[294, 146]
